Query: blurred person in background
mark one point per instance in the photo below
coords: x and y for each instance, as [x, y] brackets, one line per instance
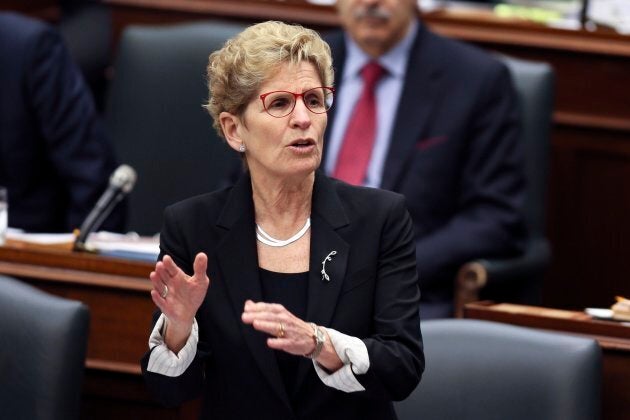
[437, 121]
[55, 159]
[86, 28]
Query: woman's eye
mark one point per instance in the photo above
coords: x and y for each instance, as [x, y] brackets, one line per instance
[314, 101]
[280, 103]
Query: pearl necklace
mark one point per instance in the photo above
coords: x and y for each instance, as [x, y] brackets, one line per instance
[267, 239]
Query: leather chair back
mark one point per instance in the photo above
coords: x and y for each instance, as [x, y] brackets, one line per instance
[156, 120]
[481, 370]
[42, 356]
[520, 279]
[534, 84]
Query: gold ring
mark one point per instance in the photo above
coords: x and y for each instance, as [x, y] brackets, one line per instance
[164, 292]
[280, 333]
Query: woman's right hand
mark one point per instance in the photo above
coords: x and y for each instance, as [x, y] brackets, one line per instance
[179, 296]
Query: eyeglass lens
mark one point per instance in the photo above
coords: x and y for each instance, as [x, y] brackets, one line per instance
[281, 103]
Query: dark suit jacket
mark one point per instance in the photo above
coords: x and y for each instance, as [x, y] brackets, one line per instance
[54, 156]
[455, 156]
[372, 294]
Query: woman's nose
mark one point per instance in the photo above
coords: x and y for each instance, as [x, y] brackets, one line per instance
[301, 116]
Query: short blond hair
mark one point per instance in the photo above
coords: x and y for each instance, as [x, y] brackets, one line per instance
[236, 71]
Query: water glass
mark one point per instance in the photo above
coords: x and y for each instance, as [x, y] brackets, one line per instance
[4, 214]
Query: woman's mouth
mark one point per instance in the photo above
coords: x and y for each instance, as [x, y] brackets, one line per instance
[302, 145]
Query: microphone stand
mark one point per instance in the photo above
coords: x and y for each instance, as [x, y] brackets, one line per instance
[93, 222]
[584, 19]
[120, 183]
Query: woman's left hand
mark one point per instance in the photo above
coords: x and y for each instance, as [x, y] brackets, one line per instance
[290, 333]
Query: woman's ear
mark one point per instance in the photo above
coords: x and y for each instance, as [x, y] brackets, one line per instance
[230, 125]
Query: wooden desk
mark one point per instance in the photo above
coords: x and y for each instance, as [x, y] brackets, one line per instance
[117, 293]
[613, 337]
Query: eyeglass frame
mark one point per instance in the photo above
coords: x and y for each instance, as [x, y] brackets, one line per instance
[295, 97]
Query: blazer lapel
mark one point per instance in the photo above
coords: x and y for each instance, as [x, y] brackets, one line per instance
[238, 262]
[419, 96]
[327, 215]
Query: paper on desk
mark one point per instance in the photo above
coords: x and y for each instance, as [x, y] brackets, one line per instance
[119, 244]
[129, 245]
[40, 238]
[615, 13]
[322, 2]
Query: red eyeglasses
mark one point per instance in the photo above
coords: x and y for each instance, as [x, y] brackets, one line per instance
[281, 103]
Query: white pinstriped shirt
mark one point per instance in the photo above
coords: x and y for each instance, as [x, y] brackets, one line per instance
[351, 350]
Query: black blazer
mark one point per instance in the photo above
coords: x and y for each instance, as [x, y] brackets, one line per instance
[455, 156]
[372, 294]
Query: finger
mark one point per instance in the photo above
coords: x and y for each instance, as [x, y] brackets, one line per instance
[171, 268]
[159, 266]
[248, 304]
[160, 269]
[278, 343]
[156, 280]
[201, 265]
[289, 346]
[250, 317]
[158, 284]
[157, 299]
[273, 328]
[161, 274]
[263, 307]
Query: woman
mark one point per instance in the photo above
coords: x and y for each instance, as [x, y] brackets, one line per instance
[287, 265]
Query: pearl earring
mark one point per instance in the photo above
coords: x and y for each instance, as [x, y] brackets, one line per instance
[241, 148]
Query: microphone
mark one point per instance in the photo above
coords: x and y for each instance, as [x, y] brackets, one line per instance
[121, 183]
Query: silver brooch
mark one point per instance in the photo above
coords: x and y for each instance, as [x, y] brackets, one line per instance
[325, 276]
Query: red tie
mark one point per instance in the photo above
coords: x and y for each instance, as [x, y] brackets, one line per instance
[354, 156]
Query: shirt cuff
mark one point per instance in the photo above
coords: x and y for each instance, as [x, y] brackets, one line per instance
[162, 360]
[353, 353]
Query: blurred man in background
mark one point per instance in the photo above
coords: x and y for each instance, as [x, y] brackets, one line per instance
[54, 157]
[437, 121]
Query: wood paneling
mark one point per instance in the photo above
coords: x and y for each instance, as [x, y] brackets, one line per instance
[588, 224]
